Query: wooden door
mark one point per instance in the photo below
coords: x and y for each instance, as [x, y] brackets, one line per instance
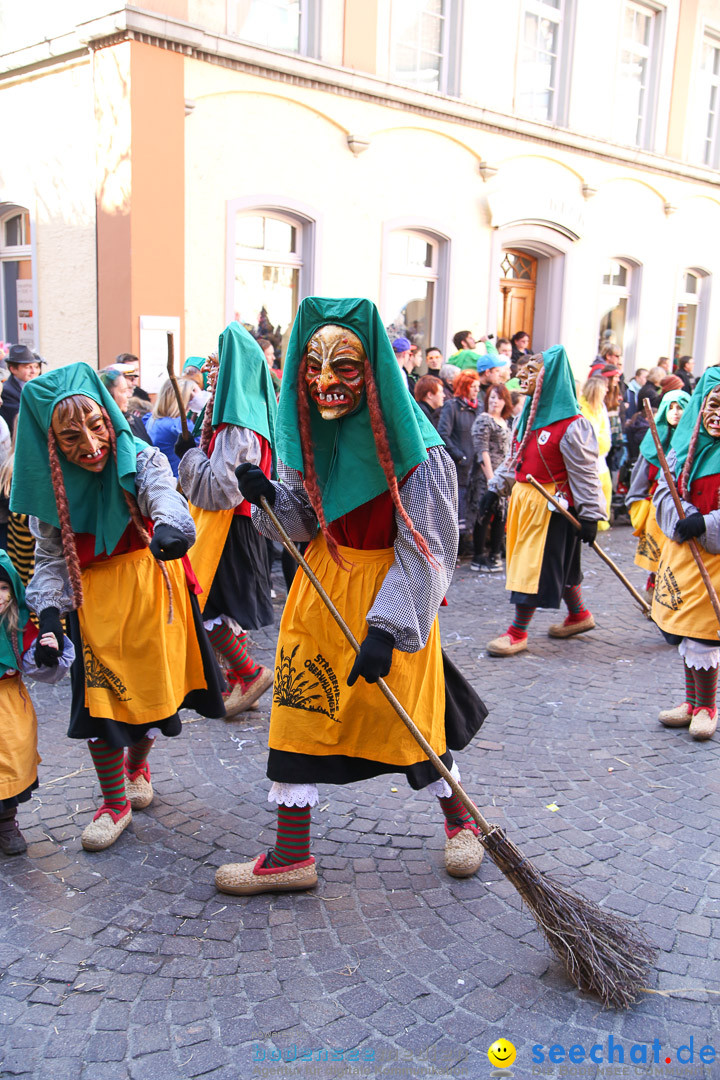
[517, 293]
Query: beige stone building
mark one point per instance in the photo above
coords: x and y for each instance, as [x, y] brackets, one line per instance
[548, 165]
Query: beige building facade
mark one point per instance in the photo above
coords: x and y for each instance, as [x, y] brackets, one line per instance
[546, 165]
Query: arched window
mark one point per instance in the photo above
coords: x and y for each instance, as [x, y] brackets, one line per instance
[615, 299]
[689, 317]
[412, 305]
[270, 270]
[17, 316]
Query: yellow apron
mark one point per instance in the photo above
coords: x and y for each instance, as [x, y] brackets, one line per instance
[19, 758]
[650, 536]
[528, 521]
[138, 669]
[212, 528]
[681, 604]
[314, 710]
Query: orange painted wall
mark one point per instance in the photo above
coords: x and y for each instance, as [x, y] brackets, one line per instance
[158, 179]
[360, 38]
[683, 75]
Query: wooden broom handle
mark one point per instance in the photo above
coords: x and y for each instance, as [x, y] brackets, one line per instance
[176, 388]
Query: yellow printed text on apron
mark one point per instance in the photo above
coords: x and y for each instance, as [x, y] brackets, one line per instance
[650, 536]
[314, 710]
[528, 521]
[212, 528]
[138, 669]
[18, 738]
[681, 604]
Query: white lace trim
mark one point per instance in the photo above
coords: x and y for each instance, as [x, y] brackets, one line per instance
[440, 788]
[294, 794]
[699, 656]
[235, 627]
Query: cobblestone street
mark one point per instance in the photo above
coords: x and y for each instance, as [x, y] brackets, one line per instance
[128, 965]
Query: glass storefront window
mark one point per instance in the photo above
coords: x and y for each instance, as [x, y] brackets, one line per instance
[687, 316]
[411, 286]
[267, 276]
[615, 295]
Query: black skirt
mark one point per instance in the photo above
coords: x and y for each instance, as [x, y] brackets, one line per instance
[560, 566]
[241, 586]
[116, 733]
[14, 800]
[464, 716]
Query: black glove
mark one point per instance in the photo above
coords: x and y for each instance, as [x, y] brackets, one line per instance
[692, 525]
[375, 657]
[588, 531]
[168, 543]
[253, 484]
[183, 445]
[49, 623]
[488, 503]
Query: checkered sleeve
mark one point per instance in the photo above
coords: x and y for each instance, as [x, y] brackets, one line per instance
[292, 508]
[413, 589]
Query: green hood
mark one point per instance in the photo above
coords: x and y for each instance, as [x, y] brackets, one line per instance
[8, 660]
[196, 362]
[465, 359]
[96, 501]
[558, 399]
[666, 433]
[706, 461]
[244, 394]
[346, 460]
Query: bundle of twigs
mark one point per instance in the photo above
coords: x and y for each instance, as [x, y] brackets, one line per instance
[603, 954]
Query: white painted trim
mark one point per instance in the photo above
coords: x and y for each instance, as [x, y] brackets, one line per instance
[443, 282]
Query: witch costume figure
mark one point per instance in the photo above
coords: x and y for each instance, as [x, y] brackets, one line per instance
[643, 483]
[230, 558]
[364, 477]
[681, 605]
[557, 446]
[112, 533]
[22, 652]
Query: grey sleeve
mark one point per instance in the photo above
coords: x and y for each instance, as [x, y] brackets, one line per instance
[579, 449]
[49, 675]
[292, 509]
[210, 482]
[157, 494]
[503, 479]
[50, 583]
[413, 589]
[639, 482]
[668, 517]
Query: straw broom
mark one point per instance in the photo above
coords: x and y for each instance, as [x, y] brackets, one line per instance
[603, 954]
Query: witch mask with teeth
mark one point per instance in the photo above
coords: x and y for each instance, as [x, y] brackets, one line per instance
[335, 371]
[81, 432]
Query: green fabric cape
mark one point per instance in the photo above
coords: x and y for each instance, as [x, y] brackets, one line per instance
[465, 359]
[666, 433]
[244, 393]
[346, 461]
[706, 461]
[197, 361]
[558, 399]
[96, 501]
[8, 660]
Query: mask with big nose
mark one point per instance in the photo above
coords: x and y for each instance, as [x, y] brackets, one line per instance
[335, 371]
[81, 432]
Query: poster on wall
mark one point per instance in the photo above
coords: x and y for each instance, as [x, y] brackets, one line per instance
[154, 330]
[25, 314]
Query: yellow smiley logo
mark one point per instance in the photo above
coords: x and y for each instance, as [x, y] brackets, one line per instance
[501, 1054]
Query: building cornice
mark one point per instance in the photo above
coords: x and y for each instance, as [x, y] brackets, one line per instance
[135, 24]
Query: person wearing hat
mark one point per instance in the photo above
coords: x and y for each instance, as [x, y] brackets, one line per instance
[115, 380]
[681, 606]
[402, 347]
[129, 364]
[18, 722]
[230, 558]
[23, 366]
[492, 371]
[643, 483]
[556, 444]
[112, 532]
[364, 477]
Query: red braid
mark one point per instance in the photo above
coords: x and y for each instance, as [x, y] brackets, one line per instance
[68, 537]
[685, 474]
[382, 446]
[206, 431]
[310, 478]
[136, 517]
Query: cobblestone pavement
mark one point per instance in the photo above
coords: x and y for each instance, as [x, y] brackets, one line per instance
[128, 964]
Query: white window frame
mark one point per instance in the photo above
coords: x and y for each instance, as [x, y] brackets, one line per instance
[439, 273]
[301, 217]
[630, 292]
[450, 50]
[707, 141]
[16, 253]
[701, 301]
[645, 129]
[564, 17]
[309, 33]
